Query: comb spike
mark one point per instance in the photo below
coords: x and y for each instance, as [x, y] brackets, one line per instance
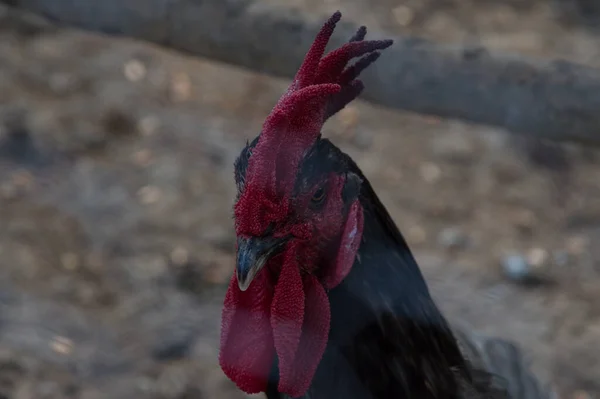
[352, 72]
[309, 67]
[344, 97]
[332, 65]
[360, 35]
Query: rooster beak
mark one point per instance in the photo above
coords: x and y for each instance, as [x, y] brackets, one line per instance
[252, 254]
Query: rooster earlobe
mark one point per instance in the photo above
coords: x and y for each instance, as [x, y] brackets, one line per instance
[351, 189]
[348, 247]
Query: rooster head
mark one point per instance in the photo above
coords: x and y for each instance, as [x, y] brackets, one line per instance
[298, 222]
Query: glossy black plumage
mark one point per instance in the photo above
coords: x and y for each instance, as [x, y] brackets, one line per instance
[388, 339]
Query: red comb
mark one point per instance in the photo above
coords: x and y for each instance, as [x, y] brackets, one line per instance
[321, 72]
[322, 86]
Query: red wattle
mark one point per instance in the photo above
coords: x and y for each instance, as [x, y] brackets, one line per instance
[315, 332]
[247, 351]
[287, 315]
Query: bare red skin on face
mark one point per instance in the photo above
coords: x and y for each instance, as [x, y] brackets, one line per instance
[285, 311]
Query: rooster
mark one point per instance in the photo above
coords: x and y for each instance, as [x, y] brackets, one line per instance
[326, 300]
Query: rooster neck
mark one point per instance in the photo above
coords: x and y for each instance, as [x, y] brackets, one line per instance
[387, 337]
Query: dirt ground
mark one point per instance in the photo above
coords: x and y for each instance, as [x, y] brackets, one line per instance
[116, 187]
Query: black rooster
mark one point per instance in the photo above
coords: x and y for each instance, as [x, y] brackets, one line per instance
[327, 300]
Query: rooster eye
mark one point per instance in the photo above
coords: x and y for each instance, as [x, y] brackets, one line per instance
[318, 196]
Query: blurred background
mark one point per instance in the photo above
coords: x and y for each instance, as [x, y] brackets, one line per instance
[116, 188]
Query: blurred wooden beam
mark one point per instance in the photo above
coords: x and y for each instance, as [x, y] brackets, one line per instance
[542, 99]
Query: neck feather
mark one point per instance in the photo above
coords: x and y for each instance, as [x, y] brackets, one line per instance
[385, 322]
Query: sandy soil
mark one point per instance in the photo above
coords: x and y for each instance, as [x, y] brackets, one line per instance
[116, 188]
